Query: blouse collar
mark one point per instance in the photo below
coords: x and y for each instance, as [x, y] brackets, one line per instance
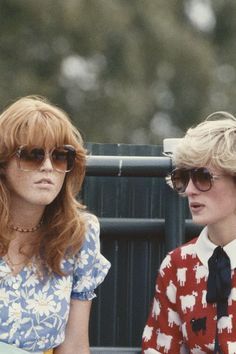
[205, 248]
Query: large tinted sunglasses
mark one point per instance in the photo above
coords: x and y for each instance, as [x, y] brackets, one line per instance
[32, 158]
[201, 177]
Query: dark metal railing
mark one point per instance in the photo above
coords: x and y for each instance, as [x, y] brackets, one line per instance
[135, 166]
[175, 228]
[126, 227]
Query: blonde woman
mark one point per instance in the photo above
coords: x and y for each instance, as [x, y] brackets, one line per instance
[50, 261]
[194, 308]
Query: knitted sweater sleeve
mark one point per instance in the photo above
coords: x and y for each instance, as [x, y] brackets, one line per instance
[163, 330]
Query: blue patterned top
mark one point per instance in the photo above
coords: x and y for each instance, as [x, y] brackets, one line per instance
[34, 311]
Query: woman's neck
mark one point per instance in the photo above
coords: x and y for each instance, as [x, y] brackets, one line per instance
[26, 219]
[221, 235]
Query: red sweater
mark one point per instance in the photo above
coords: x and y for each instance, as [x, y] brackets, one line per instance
[180, 320]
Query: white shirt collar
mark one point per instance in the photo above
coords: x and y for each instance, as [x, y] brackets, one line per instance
[205, 248]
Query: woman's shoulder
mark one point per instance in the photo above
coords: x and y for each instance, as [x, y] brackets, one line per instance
[187, 249]
[92, 226]
[182, 253]
[90, 219]
[91, 239]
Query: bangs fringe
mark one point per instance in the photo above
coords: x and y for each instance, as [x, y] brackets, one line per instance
[30, 121]
[44, 130]
[210, 143]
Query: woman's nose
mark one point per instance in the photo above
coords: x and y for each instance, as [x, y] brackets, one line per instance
[47, 163]
[191, 189]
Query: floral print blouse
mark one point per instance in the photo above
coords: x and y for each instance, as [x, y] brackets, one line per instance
[34, 311]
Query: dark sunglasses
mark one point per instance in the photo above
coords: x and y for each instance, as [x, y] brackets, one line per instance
[201, 177]
[32, 158]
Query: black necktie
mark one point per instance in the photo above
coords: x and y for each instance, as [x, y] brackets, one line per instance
[219, 286]
[219, 281]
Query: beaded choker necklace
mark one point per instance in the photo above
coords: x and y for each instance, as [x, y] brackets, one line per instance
[24, 229]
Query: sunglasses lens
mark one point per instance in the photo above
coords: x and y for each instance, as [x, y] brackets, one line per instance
[30, 159]
[63, 158]
[202, 179]
[180, 179]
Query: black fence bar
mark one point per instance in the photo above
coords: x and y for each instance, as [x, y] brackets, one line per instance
[126, 227]
[174, 219]
[136, 166]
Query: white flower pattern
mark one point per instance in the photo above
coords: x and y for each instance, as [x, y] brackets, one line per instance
[4, 297]
[83, 261]
[34, 312]
[15, 312]
[42, 304]
[63, 288]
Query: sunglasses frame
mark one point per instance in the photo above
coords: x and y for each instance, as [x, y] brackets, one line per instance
[192, 175]
[49, 154]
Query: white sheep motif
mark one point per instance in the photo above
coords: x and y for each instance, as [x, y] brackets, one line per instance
[201, 272]
[188, 250]
[181, 275]
[163, 340]
[156, 308]
[147, 333]
[171, 292]
[231, 347]
[204, 302]
[166, 263]
[232, 296]
[173, 318]
[188, 301]
[225, 322]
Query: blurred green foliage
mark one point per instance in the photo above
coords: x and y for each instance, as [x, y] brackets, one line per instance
[127, 71]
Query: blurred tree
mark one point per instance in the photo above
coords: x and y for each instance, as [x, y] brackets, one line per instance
[127, 71]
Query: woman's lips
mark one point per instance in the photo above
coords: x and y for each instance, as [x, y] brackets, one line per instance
[44, 181]
[196, 207]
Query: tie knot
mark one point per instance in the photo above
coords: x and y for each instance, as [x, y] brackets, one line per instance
[219, 259]
[219, 252]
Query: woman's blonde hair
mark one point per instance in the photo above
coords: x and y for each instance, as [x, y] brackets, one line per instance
[210, 143]
[32, 120]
